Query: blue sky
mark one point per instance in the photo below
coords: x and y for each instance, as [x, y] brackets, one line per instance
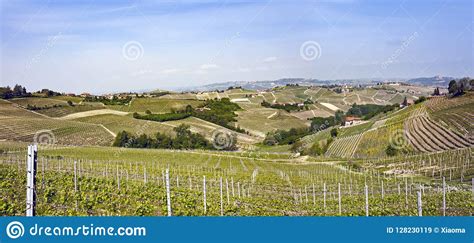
[102, 46]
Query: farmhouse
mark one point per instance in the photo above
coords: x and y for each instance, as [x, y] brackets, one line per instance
[352, 120]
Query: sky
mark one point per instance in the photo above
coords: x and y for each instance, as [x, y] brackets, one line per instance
[110, 46]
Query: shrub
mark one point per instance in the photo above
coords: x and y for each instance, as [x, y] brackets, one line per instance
[391, 150]
[334, 132]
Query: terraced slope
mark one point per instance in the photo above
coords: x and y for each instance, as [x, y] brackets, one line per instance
[427, 136]
[441, 103]
[456, 114]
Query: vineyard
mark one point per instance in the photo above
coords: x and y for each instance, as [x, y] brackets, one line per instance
[455, 165]
[427, 136]
[117, 123]
[455, 114]
[344, 147]
[374, 142]
[63, 132]
[132, 182]
[79, 173]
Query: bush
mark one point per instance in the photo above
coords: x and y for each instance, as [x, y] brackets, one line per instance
[315, 149]
[162, 117]
[285, 137]
[391, 151]
[420, 100]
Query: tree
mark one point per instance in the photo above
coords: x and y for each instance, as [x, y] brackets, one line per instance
[334, 132]
[148, 112]
[189, 109]
[270, 140]
[315, 149]
[453, 87]
[339, 117]
[70, 103]
[121, 140]
[17, 90]
[421, 99]
[6, 93]
[405, 101]
[297, 147]
[436, 91]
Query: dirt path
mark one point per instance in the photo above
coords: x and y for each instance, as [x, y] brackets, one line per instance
[112, 133]
[93, 113]
[272, 115]
[274, 97]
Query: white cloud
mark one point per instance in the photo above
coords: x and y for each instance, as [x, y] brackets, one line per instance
[244, 69]
[170, 71]
[141, 72]
[208, 66]
[270, 59]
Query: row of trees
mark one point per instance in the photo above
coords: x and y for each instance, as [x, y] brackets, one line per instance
[368, 111]
[184, 139]
[459, 87]
[162, 117]
[285, 137]
[114, 101]
[220, 112]
[17, 92]
[286, 107]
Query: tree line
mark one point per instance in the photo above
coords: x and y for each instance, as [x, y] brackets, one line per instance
[184, 139]
[17, 92]
[457, 88]
[220, 112]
